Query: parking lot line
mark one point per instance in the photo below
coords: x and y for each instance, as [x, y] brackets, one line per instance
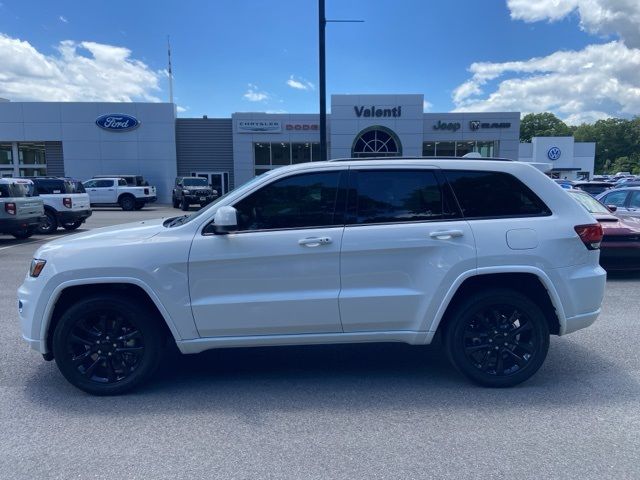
[24, 243]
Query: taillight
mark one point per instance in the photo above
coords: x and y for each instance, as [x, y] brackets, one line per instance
[66, 201]
[591, 235]
[10, 208]
[146, 191]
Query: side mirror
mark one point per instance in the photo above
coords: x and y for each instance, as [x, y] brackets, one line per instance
[225, 220]
[612, 208]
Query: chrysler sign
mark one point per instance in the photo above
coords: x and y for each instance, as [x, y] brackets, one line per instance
[258, 126]
[117, 122]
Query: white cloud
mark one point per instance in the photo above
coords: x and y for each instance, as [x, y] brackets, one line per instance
[604, 17]
[596, 82]
[181, 109]
[426, 106]
[63, 19]
[84, 71]
[300, 83]
[253, 94]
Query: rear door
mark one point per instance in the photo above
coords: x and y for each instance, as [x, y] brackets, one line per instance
[403, 246]
[618, 198]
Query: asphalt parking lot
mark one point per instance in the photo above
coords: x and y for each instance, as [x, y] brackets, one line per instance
[359, 411]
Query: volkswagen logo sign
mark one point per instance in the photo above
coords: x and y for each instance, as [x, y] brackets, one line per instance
[474, 125]
[118, 122]
[554, 153]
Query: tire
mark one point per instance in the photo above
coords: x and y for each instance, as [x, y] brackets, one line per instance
[489, 318]
[127, 203]
[83, 344]
[139, 206]
[176, 204]
[24, 233]
[184, 205]
[50, 225]
[72, 226]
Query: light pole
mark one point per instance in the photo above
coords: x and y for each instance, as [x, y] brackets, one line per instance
[322, 23]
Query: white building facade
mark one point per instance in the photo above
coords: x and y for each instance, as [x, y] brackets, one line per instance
[84, 139]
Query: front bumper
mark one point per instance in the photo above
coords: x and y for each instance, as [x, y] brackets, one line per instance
[73, 216]
[9, 225]
[197, 199]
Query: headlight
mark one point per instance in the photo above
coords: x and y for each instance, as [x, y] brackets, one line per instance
[186, 192]
[36, 267]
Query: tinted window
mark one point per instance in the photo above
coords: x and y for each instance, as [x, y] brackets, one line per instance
[14, 190]
[635, 200]
[300, 201]
[494, 194]
[196, 182]
[615, 198]
[51, 186]
[384, 196]
[122, 183]
[104, 183]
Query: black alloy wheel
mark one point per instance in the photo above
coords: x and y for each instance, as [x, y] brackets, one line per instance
[127, 203]
[498, 338]
[107, 345]
[72, 225]
[49, 224]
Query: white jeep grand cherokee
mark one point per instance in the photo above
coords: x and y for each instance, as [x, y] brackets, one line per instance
[491, 254]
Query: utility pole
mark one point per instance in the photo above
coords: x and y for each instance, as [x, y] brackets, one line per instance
[170, 71]
[322, 23]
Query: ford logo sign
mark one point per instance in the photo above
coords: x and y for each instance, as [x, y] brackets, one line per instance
[119, 122]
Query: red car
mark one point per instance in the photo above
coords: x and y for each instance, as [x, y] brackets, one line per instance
[620, 248]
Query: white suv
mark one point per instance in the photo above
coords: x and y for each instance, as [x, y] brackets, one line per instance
[492, 255]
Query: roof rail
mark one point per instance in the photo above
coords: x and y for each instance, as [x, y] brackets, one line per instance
[429, 159]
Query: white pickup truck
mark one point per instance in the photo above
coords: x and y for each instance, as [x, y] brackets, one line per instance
[116, 191]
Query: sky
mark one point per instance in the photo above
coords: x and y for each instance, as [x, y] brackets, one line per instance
[579, 59]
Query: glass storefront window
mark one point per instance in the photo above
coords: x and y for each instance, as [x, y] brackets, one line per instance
[280, 154]
[262, 153]
[300, 152]
[486, 149]
[446, 149]
[33, 172]
[260, 171]
[428, 149]
[6, 155]
[462, 148]
[315, 151]
[31, 153]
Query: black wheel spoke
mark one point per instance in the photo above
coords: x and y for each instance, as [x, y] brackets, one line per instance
[78, 359]
[89, 371]
[79, 340]
[129, 336]
[476, 348]
[521, 329]
[499, 363]
[111, 373]
[521, 362]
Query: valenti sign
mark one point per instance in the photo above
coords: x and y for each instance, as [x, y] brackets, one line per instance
[117, 122]
[258, 126]
[374, 111]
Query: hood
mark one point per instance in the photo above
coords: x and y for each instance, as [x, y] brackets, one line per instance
[109, 236]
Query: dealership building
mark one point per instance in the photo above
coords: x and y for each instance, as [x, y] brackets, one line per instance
[84, 139]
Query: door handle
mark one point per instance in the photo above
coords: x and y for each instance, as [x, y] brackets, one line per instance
[111, 189]
[446, 234]
[314, 241]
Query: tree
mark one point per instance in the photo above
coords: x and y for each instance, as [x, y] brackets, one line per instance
[617, 142]
[542, 125]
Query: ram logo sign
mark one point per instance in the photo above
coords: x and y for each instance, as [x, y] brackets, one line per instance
[117, 122]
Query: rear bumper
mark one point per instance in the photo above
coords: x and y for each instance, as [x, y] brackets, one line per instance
[579, 322]
[9, 225]
[146, 199]
[73, 216]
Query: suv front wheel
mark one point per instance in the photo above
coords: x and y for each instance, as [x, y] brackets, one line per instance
[497, 338]
[107, 345]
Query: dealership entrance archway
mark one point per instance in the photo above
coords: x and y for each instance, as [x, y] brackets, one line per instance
[376, 141]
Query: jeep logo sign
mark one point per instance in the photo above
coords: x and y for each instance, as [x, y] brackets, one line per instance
[119, 122]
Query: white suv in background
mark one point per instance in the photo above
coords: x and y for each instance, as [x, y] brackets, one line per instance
[490, 254]
[116, 191]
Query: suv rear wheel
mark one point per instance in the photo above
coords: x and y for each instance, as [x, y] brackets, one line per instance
[49, 225]
[24, 233]
[497, 338]
[107, 344]
[72, 225]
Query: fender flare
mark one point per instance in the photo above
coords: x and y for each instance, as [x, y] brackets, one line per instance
[540, 274]
[55, 295]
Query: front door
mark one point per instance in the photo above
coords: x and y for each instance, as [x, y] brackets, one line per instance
[219, 181]
[403, 246]
[280, 272]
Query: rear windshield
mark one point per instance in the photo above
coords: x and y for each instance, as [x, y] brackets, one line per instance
[494, 195]
[587, 201]
[54, 186]
[16, 190]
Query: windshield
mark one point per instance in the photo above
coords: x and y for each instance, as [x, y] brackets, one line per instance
[589, 203]
[195, 182]
[175, 221]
